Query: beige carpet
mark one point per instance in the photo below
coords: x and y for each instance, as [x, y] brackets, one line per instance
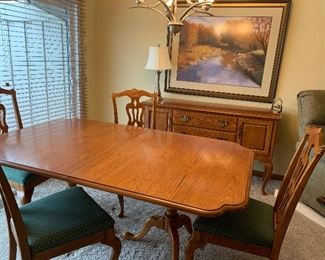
[304, 239]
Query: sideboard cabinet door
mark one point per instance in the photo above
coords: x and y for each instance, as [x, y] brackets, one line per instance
[256, 135]
[163, 118]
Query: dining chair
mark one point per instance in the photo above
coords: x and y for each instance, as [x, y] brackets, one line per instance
[260, 228]
[20, 180]
[56, 224]
[135, 113]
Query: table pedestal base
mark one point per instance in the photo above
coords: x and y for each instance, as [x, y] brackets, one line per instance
[170, 222]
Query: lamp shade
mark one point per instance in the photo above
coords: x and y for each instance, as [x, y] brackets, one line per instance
[158, 59]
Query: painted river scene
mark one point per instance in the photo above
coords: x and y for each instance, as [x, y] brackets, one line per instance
[223, 50]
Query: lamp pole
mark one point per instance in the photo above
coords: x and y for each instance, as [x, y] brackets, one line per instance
[158, 85]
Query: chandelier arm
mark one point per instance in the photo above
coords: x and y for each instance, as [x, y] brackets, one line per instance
[190, 2]
[151, 8]
[146, 5]
[170, 13]
[186, 12]
[198, 12]
[154, 5]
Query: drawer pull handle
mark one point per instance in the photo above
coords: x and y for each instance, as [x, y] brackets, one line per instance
[223, 123]
[185, 118]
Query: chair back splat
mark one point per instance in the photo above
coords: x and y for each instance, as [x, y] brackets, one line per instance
[12, 93]
[299, 171]
[134, 109]
[3, 123]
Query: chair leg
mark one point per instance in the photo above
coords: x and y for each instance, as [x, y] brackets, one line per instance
[275, 255]
[12, 247]
[192, 244]
[121, 201]
[27, 197]
[112, 241]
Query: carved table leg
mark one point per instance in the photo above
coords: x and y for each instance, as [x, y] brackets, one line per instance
[174, 221]
[170, 223]
[174, 240]
[154, 221]
[186, 222]
[267, 176]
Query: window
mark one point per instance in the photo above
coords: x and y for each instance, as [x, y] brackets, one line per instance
[42, 58]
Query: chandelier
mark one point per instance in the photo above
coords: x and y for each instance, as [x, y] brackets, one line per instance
[168, 8]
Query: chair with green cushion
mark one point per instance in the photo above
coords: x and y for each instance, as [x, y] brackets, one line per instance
[20, 180]
[56, 224]
[260, 228]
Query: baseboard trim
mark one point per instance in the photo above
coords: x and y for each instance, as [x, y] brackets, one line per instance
[308, 212]
[273, 176]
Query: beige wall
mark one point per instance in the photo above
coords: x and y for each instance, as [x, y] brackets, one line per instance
[118, 41]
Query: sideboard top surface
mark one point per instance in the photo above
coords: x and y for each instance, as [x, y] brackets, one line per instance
[217, 108]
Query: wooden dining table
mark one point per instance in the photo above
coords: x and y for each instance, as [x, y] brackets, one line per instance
[185, 173]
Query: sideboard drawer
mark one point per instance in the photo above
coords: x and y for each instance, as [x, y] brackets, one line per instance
[204, 132]
[206, 120]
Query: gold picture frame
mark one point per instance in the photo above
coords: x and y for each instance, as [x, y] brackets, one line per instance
[233, 53]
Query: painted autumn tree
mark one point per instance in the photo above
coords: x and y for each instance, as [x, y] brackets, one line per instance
[189, 36]
[207, 36]
[239, 35]
[262, 27]
[193, 34]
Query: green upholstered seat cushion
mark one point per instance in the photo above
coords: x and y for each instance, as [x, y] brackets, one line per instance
[63, 217]
[18, 176]
[253, 225]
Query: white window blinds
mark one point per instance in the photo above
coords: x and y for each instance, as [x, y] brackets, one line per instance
[42, 58]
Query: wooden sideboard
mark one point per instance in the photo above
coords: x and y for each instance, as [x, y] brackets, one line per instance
[252, 127]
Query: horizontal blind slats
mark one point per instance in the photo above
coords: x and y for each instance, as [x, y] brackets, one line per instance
[42, 56]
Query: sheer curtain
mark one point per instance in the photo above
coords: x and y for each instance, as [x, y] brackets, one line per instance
[42, 56]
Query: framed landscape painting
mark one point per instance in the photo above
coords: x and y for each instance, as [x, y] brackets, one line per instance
[235, 52]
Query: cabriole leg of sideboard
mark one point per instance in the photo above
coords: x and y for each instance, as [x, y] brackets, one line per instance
[267, 175]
